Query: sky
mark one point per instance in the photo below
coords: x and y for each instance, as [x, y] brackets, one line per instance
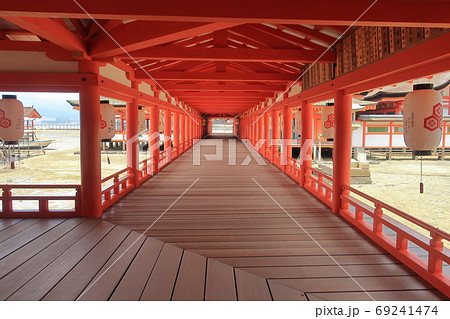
[49, 105]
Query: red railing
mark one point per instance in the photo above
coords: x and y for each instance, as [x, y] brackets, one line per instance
[117, 185]
[165, 158]
[43, 209]
[425, 255]
[276, 159]
[293, 169]
[320, 185]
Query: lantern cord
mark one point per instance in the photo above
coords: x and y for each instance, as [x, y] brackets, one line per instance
[421, 174]
[107, 157]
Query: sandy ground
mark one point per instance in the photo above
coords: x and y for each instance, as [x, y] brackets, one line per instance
[396, 182]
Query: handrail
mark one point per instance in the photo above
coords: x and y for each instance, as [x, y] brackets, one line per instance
[121, 185]
[320, 185]
[429, 268]
[7, 197]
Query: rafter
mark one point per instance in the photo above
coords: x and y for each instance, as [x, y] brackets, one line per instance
[52, 31]
[218, 76]
[309, 33]
[143, 34]
[226, 87]
[229, 54]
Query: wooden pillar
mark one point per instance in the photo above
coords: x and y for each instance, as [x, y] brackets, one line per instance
[189, 129]
[287, 136]
[267, 134]
[154, 140]
[342, 145]
[261, 133]
[91, 198]
[307, 134]
[167, 129]
[275, 132]
[183, 131]
[132, 137]
[176, 132]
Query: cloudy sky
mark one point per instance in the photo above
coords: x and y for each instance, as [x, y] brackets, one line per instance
[49, 105]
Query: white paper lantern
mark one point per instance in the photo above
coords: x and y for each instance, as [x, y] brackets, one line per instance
[142, 125]
[328, 121]
[422, 119]
[11, 119]
[107, 121]
[298, 122]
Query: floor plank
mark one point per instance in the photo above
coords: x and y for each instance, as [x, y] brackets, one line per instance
[133, 282]
[251, 287]
[220, 282]
[190, 283]
[162, 279]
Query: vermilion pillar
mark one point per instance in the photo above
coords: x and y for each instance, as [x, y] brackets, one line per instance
[307, 134]
[287, 136]
[183, 131]
[154, 137]
[132, 137]
[190, 131]
[91, 198]
[275, 132]
[267, 134]
[342, 145]
[176, 132]
[167, 129]
[261, 133]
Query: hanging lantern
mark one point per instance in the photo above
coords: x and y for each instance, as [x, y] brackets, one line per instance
[422, 119]
[298, 122]
[328, 122]
[11, 119]
[107, 121]
[142, 125]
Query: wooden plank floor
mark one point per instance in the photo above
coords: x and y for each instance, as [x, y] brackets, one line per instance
[226, 217]
[224, 239]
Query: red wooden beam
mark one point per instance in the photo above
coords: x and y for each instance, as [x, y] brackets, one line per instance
[184, 94]
[433, 13]
[52, 31]
[309, 33]
[289, 37]
[229, 54]
[226, 87]
[218, 76]
[142, 34]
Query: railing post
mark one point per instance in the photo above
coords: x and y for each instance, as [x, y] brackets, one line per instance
[43, 206]
[344, 205]
[377, 225]
[7, 206]
[275, 133]
[116, 185]
[307, 121]
[435, 263]
[401, 242]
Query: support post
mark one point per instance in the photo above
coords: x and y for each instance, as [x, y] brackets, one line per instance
[183, 131]
[167, 130]
[261, 133]
[133, 138]
[154, 140]
[91, 198]
[267, 135]
[287, 136]
[176, 132]
[275, 132]
[342, 146]
[307, 134]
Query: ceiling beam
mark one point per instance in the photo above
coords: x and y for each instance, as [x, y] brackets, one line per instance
[433, 13]
[229, 54]
[225, 87]
[142, 34]
[52, 31]
[184, 94]
[218, 76]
